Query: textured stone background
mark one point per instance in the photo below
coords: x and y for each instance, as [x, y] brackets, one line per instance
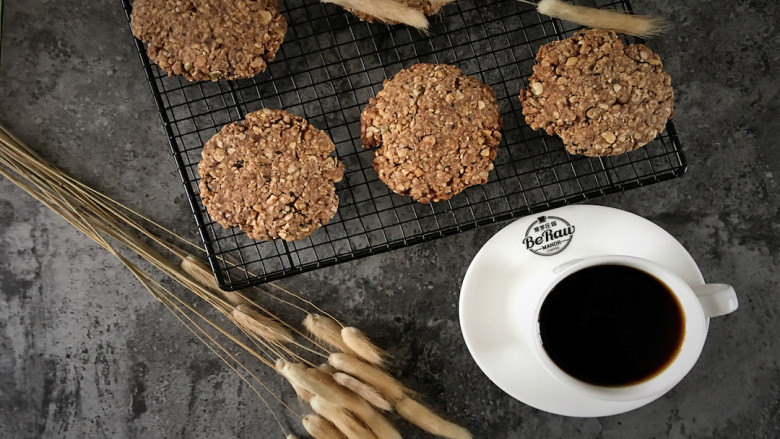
[86, 352]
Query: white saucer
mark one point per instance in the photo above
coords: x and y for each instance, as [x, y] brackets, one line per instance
[504, 263]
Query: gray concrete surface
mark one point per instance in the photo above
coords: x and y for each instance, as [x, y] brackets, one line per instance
[85, 351]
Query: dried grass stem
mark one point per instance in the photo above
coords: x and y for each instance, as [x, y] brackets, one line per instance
[341, 397]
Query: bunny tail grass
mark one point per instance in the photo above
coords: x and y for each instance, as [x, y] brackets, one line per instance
[388, 11]
[637, 25]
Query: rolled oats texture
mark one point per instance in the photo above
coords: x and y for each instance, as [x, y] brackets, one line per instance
[436, 129]
[271, 175]
[602, 97]
[210, 39]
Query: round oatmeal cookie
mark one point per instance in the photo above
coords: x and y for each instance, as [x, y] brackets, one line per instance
[271, 175]
[601, 97]
[428, 7]
[438, 130]
[210, 39]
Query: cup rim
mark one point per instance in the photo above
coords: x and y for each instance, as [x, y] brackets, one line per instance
[694, 332]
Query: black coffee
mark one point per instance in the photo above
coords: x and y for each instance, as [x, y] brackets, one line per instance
[611, 325]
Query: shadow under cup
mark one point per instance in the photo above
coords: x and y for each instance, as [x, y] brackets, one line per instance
[614, 329]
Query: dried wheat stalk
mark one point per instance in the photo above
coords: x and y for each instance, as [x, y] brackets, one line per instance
[337, 397]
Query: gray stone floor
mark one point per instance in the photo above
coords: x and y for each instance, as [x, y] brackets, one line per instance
[86, 352]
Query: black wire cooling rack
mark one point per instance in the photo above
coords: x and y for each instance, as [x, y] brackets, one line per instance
[326, 70]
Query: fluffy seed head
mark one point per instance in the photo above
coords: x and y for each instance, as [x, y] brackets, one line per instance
[316, 382]
[429, 421]
[371, 375]
[389, 11]
[260, 325]
[341, 418]
[367, 392]
[199, 271]
[637, 25]
[362, 346]
[322, 385]
[327, 368]
[319, 428]
[327, 331]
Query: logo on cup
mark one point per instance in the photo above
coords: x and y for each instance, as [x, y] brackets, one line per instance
[548, 235]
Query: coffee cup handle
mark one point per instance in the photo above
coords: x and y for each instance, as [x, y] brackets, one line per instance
[716, 299]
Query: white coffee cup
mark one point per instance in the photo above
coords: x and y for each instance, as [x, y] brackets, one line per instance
[697, 302]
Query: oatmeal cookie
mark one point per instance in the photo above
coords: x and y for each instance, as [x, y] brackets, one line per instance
[210, 39]
[600, 96]
[271, 175]
[438, 130]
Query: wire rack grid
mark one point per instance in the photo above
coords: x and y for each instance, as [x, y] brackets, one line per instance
[327, 69]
